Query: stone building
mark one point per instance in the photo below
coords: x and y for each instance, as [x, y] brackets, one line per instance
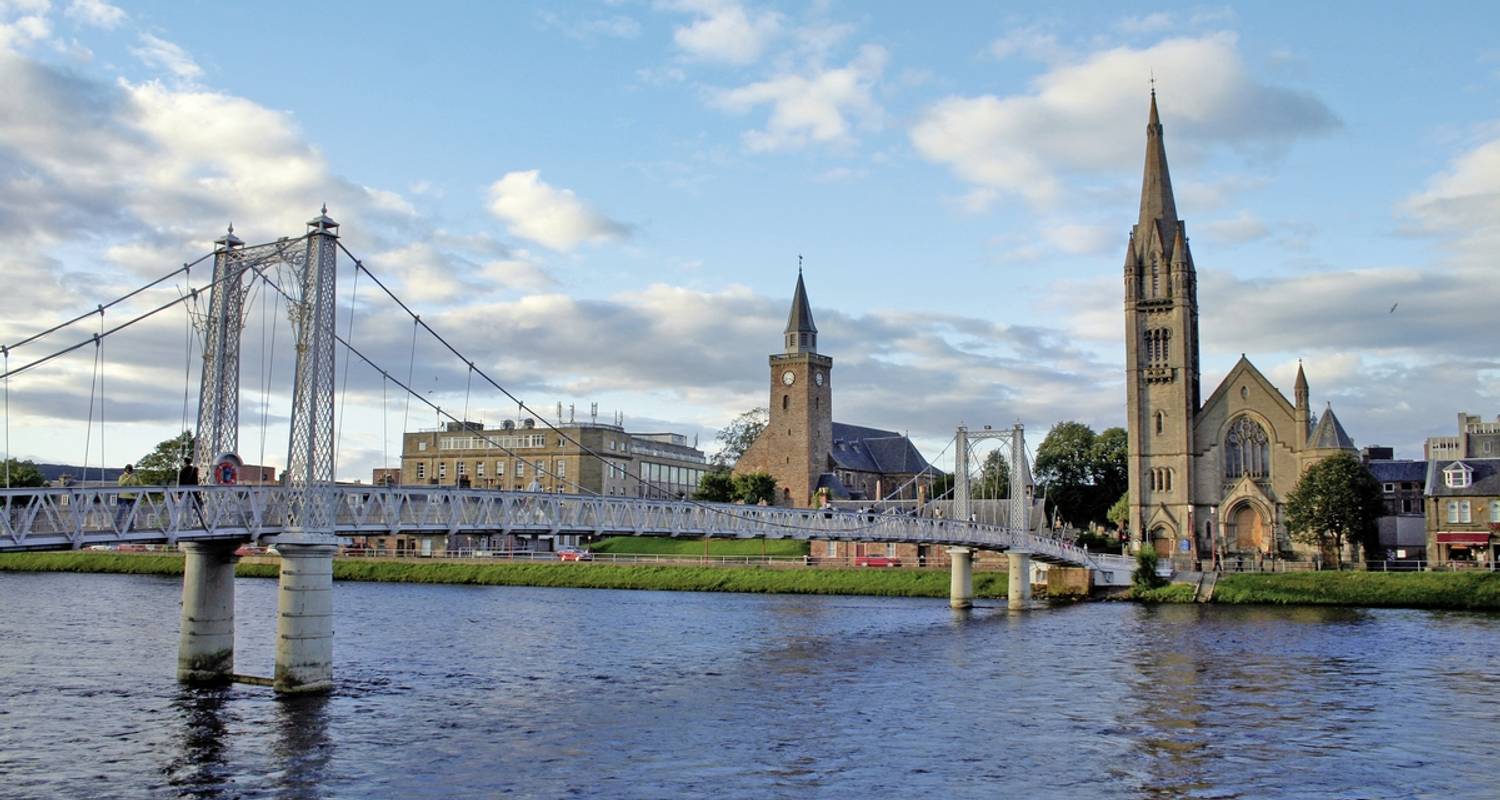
[578, 457]
[1463, 510]
[1206, 476]
[805, 450]
[1402, 524]
[1476, 439]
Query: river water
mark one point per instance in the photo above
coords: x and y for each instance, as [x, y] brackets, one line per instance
[447, 691]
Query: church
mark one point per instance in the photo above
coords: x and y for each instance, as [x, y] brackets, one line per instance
[1207, 477]
[809, 454]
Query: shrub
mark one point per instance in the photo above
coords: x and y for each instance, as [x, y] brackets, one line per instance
[1145, 576]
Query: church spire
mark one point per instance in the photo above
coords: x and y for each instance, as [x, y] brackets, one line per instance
[1156, 187]
[801, 333]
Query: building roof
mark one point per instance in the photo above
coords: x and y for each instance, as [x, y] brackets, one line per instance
[1392, 470]
[1485, 479]
[836, 488]
[862, 449]
[1329, 435]
[800, 320]
[1157, 205]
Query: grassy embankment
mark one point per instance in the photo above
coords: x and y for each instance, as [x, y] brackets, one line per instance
[1457, 590]
[667, 546]
[761, 580]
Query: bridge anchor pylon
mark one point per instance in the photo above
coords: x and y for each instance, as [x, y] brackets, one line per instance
[205, 645]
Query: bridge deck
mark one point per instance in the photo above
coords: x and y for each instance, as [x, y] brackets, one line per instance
[37, 519]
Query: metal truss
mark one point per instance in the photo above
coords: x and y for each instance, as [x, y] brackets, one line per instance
[43, 519]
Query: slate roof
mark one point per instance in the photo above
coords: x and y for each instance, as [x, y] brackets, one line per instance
[1329, 434]
[836, 488]
[1485, 481]
[800, 319]
[1394, 470]
[862, 449]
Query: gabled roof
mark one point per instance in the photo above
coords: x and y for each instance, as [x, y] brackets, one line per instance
[836, 488]
[863, 449]
[1244, 367]
[1484, 481]
[1388, 471]
[1329, 435]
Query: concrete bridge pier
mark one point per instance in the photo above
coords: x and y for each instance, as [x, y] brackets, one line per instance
[961, 577]
[304, 618]
[1018, 589]
[205, 645]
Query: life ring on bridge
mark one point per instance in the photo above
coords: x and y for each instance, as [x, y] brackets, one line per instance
[226, 469]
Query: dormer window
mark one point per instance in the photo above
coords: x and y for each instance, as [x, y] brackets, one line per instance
[1458, 476]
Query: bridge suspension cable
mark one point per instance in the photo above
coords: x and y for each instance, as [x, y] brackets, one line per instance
[417, 321]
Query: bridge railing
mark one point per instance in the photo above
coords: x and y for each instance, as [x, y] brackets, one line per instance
[79, 516]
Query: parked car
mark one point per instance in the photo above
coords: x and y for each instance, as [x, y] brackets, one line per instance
[574, 554]
[876, 561]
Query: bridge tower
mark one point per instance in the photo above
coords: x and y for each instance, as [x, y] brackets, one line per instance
[961, 581]
[304, 622]
[205, 646]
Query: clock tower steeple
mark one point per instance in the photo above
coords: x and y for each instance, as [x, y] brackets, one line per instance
[794, 448]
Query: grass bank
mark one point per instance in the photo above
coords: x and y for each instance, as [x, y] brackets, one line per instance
[1171, 593]
[667, 546]
[1456, 590]
[755, 579]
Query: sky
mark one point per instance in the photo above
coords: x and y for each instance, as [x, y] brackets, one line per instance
[607, 202]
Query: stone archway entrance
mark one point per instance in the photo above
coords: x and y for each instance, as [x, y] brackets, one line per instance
[1161, 541]
[1247, 530]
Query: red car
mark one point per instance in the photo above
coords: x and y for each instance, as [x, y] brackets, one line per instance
[574, 554]
[876, 561]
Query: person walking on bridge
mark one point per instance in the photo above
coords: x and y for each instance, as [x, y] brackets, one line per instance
[125, 502]
[188, 477]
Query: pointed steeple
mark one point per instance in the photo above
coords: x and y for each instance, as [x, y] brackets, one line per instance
[1330, 435]
[801, 333]
[1156, 186]
[1300, 389]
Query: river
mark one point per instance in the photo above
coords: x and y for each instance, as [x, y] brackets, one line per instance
[451, 691]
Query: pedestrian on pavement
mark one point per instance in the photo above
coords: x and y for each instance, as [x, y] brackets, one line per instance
[188, 477]
[125, 502]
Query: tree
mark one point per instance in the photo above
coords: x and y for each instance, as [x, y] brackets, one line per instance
[1337, 500]
[753, 487]
[735, 438]
[23, 474]
[716, 487]
[1119, 513]
[994, 478]
[159, 467]
[1081, 472]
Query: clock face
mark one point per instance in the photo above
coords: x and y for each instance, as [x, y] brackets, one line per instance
[818, 378]
[788, 377]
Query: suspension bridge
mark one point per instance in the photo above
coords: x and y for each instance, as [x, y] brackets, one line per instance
[306, 513]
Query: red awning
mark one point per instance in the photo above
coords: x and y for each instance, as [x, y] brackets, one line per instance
[1463, 538]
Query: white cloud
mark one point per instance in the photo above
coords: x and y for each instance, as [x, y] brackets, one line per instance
[159, 53]
[1146, 23]
[549, 216]
[29, 27]
[96, 13]
[1244, 227]
[1463, 200]
[724, 31]
[820, 106]
[1072, 120]
[1029, 42]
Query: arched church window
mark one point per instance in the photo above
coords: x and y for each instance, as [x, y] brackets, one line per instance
[1247, 450]
[785, 401]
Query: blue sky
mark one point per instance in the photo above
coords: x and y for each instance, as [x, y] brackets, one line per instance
[605, 201]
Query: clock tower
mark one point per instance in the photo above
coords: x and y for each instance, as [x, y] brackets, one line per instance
[794, 448]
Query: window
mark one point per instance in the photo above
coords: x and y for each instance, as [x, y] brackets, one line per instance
[785, 402]
[1495, 511]
[1453, 511]
[890, 550]
[1463, 512]
[442, 470]
[1161, 422]
[562, 468]
[1247, 450]
[831, 550]
[1457, 476]
[461, 469]
[520, 468]
[421, 470]
[499, 469]
[421, 447]
[1155, 279]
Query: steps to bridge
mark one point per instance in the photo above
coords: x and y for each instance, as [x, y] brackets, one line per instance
[1205, 593]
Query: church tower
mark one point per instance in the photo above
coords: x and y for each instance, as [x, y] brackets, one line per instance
[795, 446]
[1161, 357]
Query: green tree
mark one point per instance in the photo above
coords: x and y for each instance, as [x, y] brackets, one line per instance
[23, 474]
[994, 478]
[1337, 500]
[1111, 475]
[159, 467]
[735, 438]
[1119, 513]
[753, 487]
[1082, 473]
[716, 486]
[1145, 576]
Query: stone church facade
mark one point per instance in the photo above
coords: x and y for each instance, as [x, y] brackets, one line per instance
[1206, 477]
